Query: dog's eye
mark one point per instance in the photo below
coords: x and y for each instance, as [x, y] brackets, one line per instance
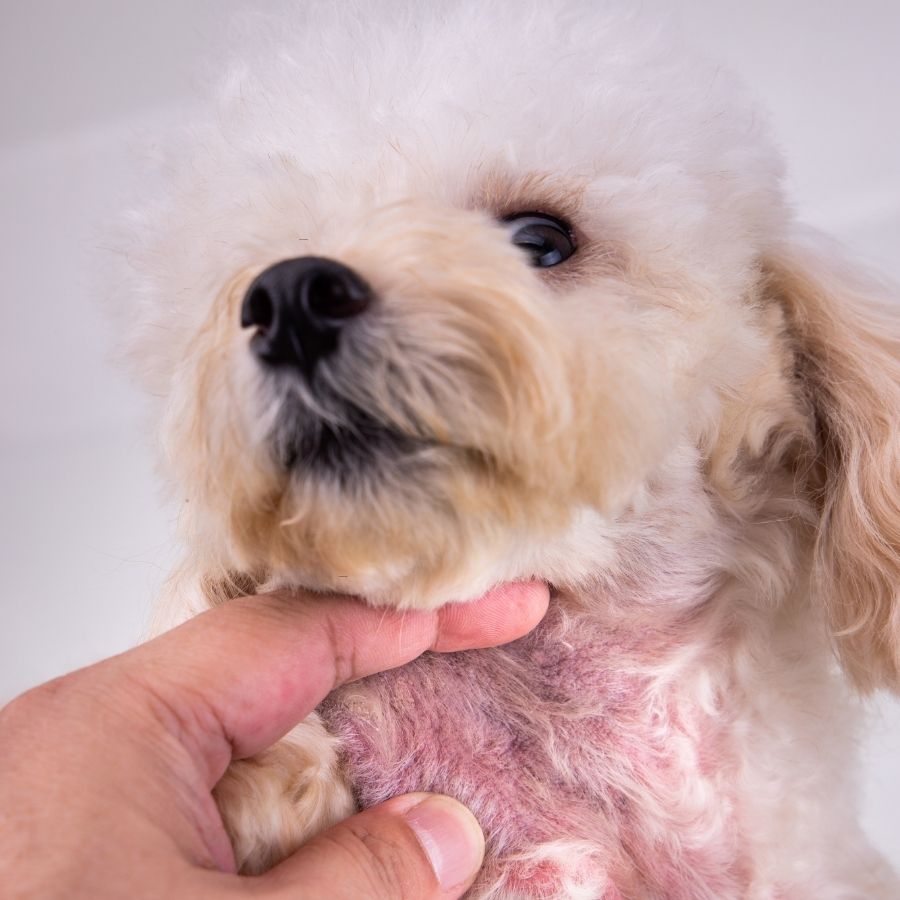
[549, 241]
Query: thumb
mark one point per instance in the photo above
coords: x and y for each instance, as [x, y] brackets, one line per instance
[413, 847]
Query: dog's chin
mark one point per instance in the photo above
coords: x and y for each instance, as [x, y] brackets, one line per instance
[366, 509]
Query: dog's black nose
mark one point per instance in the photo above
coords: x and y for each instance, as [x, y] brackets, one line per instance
[299, 307]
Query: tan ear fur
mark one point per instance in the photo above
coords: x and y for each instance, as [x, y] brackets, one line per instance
[846, 329]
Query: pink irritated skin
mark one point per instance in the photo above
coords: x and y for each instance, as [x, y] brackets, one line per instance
[585, 730]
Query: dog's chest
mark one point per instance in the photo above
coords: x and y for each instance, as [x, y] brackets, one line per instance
[589, 753]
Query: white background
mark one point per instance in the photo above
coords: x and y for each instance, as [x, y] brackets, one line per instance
[85, 537]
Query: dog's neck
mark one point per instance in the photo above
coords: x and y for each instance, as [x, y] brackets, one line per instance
[662, 556]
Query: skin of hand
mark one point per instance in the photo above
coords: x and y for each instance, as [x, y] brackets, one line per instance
[106, 773]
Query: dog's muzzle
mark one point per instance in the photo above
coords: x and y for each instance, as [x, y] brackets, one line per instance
[299, 308]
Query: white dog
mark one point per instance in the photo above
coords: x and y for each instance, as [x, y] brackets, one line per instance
[461, 292]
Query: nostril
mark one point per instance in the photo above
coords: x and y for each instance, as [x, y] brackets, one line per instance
[336, 295]
[258, 309]
[299, 308]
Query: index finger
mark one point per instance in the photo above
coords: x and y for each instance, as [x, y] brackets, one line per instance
[233, 680]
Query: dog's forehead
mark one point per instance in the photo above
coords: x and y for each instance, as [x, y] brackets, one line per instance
[425, 94]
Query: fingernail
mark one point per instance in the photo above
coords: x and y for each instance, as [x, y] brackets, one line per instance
[452, 838]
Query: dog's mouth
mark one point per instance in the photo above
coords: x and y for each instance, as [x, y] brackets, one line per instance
[353, 445]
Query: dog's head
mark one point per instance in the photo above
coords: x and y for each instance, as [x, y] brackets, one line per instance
[438, 282]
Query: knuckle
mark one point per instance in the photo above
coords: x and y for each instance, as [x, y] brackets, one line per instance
[42, 703]
[342, 649]
[19, 709]
[36, 699]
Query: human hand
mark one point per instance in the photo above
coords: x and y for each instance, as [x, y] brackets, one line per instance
[106, 773]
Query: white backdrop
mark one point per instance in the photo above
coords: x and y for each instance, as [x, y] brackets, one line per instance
[85, 537]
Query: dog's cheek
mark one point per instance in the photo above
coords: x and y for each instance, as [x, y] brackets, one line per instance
[626, 411]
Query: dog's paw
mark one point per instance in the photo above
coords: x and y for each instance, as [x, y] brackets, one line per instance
[280, 798]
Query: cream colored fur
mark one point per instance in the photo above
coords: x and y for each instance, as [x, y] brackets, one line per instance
[703, 381]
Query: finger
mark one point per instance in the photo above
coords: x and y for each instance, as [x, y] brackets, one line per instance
[503, 614]
[415, 847]
[235, 679]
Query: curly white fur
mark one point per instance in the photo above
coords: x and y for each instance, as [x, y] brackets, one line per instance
[689, 429]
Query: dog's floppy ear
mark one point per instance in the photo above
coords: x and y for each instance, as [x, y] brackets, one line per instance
[846, 330]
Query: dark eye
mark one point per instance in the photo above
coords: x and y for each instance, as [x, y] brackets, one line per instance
[549, 241]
